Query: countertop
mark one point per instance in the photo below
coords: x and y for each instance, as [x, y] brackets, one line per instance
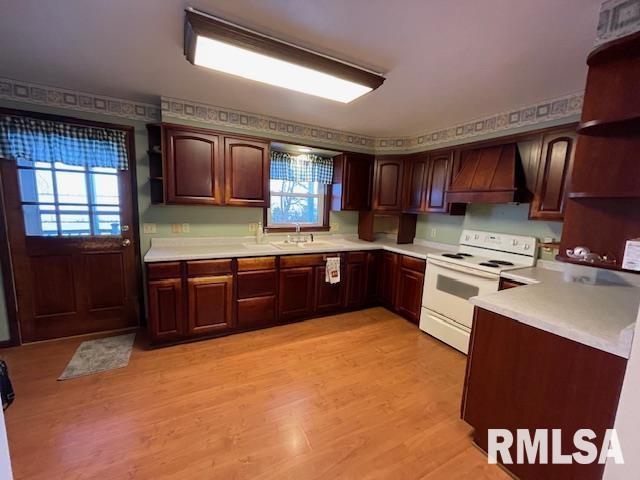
[602, 316]
[176, 249]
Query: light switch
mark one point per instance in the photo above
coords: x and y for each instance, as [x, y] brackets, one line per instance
[186, 228]
[434, 232]
[335, 227]
[176, 228]
[253, 227]
[149, 228]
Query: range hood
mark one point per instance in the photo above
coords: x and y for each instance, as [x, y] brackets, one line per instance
[488, 175]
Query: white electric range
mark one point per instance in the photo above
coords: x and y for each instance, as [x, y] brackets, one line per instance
[452, 278]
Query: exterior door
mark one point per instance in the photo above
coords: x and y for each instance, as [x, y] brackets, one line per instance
[74, 254]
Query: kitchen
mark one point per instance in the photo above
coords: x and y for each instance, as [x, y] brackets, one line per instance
[273, 294]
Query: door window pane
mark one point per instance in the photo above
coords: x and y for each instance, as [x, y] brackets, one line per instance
[67, 200]
[72, 187]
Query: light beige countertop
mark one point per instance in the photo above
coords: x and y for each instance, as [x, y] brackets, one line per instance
[602, 316]
[176, 249]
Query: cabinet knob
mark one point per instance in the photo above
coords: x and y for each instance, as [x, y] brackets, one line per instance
[126, 242]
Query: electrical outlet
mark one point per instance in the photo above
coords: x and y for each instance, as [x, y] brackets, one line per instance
[335, 227]
[434, 232]
[186, 228]
[176, 228]
[149, 228]
[253, 227]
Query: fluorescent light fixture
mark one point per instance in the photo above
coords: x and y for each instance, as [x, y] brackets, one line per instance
[217, 44]
[304, 149]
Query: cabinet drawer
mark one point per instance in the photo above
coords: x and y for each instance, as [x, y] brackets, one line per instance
[256, 263]
[416, 264]
[256, 284]
[304, 260]
[256, 312]
[356, 257]
[198, 268]
[157, 271]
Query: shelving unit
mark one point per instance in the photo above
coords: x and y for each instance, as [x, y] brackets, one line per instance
[156, 167]
[603, 206]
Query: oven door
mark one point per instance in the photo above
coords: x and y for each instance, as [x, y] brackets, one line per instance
[448, 288]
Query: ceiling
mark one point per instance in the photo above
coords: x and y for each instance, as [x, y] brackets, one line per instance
[446, 61]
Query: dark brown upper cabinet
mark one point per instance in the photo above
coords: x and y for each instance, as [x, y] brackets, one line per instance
[387, 183]
[352, 182]
[554, 172]
[427, 177]
[246, 172]
[192, 167]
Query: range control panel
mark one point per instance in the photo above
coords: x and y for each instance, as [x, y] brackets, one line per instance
[501, 242]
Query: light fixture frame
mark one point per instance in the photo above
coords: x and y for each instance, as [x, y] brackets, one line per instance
[198, 23]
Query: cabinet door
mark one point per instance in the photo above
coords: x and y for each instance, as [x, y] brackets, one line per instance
[416, 183]
[438, 181]
[192, 167]
[409, 294]
[356, 284]
[387, 282]
[387, 189]
[329, 296]
[210, 304]
[357, 179]
[372, 279]
[246, 172]
[554, 172]
[166, 309]
[295, 293]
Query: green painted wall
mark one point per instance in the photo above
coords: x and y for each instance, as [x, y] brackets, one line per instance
[495, 218]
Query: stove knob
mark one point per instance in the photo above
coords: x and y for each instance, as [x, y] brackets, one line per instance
[467, 237]
[527, 246]
[476, 236]
[514, 242]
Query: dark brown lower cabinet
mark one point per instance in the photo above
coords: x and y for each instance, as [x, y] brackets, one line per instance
[166, 309]
[210, 304]
[356, 278]
[329, 297]
[295, 292]
[520, 377]
[199, 298]
[387, 281]
[409, 296]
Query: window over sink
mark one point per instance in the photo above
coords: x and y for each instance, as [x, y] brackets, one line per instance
[294, 202]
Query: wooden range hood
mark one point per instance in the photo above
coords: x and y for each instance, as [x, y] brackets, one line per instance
[488, 175]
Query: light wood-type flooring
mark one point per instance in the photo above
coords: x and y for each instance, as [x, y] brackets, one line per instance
[353, 396]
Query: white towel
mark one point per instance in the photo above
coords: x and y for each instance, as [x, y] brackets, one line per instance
[332, 270]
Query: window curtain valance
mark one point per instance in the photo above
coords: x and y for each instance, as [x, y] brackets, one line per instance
[301, 168]
[36, 140]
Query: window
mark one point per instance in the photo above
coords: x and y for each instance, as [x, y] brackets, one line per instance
[66, 200]
[296, 202]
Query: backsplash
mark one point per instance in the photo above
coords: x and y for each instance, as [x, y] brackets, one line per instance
[510, 218]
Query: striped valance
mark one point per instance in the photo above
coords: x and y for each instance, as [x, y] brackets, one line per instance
[301, 168]
[36, 140]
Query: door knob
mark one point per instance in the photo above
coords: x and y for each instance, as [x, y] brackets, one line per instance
[126, 242]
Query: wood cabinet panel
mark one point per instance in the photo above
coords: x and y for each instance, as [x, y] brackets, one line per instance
[256, 263]
[256, 284]
[438, 181]
[356, 257]
[328, 296]
[412, 263]
[192, 167]
[554, 171]
[352, 181]
[387, 279]
[519, 377]
[166, 309]
[210, 304]
[301, 260]
[506, 284]
[373, 277]
[387, 188]
[208, 267]
[295, 292]
[246, 173]
[356, 285]
[156, 271]
[256, 312]
[416, 182]
[409, 294]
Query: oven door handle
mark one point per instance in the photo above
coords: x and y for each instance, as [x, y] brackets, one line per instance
[461, 269]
